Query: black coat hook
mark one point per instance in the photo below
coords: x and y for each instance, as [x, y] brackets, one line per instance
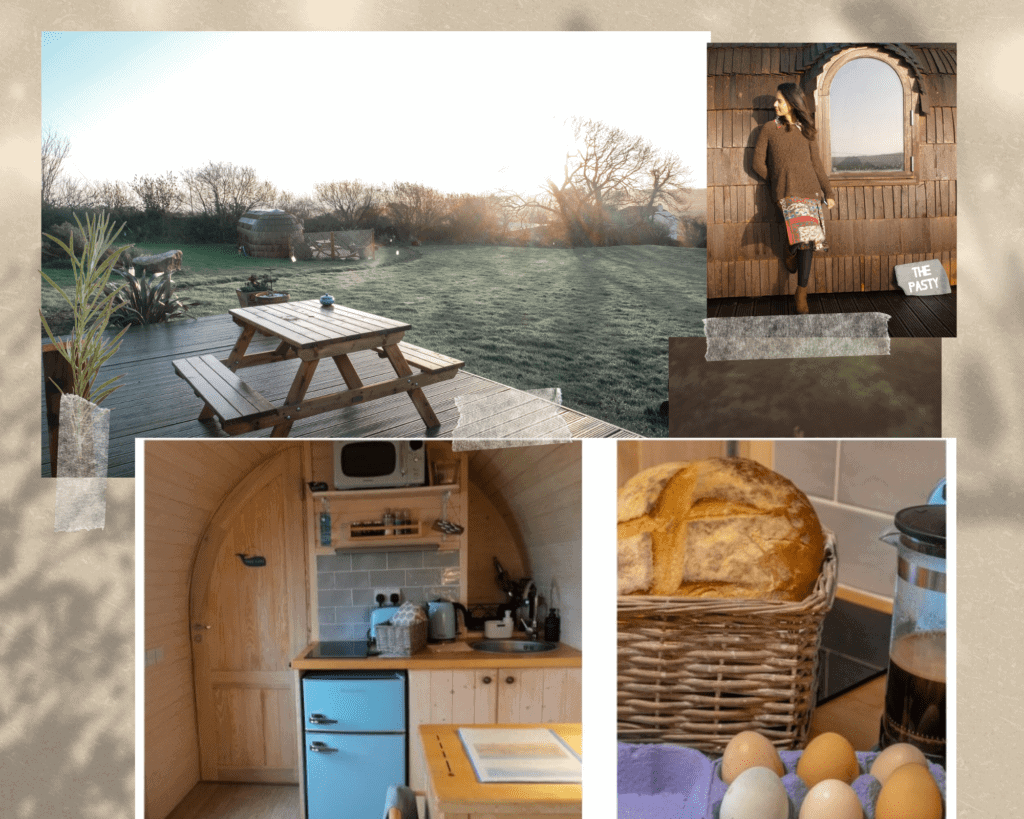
[252, 560]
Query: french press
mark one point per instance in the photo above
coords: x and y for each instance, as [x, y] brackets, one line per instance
[915, 692]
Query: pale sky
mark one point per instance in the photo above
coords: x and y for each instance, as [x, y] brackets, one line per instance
[461, 112]
[866, 109]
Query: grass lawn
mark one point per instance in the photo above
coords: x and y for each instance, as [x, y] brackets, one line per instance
[594, 321]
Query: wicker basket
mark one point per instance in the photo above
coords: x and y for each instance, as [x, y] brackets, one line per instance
[697, 671]
[401, 641]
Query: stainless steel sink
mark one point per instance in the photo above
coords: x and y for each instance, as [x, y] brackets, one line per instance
[512, 646]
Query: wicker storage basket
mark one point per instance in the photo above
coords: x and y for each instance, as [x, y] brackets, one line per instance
[401, 641]
[698, 671]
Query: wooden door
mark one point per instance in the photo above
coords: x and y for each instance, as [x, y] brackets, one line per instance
[248, 623]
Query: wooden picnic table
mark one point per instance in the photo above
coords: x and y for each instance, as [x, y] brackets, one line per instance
[310, 332]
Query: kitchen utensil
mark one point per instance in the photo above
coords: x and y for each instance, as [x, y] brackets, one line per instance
[915, 692]
[445, 525]
[443, 620]
[383, 614]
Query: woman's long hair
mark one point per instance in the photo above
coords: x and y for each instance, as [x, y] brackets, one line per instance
[797, 102]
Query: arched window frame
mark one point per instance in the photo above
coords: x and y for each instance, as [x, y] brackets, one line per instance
[911, 120]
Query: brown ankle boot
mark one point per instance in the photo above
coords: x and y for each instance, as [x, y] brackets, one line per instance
[789, 259]
[801, 300]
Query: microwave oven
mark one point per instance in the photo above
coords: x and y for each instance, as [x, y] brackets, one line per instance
[379, 464]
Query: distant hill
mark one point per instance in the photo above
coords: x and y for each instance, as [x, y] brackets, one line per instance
[871, 162]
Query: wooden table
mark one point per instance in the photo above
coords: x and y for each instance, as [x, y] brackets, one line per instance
[311, 332]
[453, 791]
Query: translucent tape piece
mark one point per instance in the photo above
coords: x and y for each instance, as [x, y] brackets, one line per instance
[510, 419]
[800, 336]
[81, 484]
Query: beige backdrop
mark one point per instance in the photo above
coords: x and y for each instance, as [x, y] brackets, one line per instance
[66, 601]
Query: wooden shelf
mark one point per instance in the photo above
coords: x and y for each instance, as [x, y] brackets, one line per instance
[399, 492]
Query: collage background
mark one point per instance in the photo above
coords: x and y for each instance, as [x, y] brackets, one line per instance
[67, 601]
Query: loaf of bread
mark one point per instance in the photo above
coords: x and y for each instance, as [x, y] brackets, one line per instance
[720, 527]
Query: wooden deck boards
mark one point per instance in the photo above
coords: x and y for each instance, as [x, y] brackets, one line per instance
[155, 403]
[912, 317]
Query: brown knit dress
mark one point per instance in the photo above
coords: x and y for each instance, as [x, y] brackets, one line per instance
[789, 163]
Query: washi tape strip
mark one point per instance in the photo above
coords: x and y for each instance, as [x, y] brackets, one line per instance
[802, 336]
[81, 485]
[510, 419]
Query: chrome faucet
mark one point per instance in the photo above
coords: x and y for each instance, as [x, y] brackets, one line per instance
[530, 598]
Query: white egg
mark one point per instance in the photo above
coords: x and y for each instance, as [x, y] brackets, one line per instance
[757, 793]
[893, 757]
[831, 799]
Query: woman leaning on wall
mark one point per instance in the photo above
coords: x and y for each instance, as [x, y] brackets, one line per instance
[785, 156]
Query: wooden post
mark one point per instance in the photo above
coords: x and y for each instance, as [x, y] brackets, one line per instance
[55, 369]
[332, 244]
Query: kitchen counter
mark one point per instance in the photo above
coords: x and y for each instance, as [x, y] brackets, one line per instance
[456, 654]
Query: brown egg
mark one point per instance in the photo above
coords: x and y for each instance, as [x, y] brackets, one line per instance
[828, 756]
[748, 749]
[909, 793]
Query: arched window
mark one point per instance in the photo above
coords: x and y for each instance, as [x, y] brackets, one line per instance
[866, 116]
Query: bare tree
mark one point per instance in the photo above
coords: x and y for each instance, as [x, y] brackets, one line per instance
[609, 170]
[226, 190]
[416, 209]
[114, 195]
[55, 150]
[351, 201]
[160, 195]
[301, 206]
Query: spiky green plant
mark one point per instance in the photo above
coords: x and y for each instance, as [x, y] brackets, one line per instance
[148, 298]
[92, 305]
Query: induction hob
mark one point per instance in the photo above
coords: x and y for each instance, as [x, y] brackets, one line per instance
[337, 649]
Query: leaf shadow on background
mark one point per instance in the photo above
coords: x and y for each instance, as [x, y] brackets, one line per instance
[67, 660]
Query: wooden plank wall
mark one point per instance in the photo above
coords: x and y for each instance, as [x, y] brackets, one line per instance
[185, 482]
[539, 490]
[872, 228]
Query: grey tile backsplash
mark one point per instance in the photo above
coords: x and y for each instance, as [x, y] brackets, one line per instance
[856, 488]
[345, 584]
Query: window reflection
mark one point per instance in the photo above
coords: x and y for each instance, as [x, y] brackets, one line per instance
[866, 117]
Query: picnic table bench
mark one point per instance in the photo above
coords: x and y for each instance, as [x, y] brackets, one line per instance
[310, 332]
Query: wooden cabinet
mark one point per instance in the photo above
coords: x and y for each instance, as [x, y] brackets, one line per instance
[490, 695]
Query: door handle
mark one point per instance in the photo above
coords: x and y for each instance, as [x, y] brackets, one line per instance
[322, 748]
[510, 680]
[320, 719]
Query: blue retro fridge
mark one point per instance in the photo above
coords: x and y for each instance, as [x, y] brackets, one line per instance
[355, 741]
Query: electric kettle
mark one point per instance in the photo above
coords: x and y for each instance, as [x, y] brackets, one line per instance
[441, 617]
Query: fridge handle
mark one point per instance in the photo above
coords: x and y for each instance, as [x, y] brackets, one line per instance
[320, 719]
[322, 748]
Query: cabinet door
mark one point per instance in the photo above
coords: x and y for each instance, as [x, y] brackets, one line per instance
[540, 695]
[467, 696]
[520, 695]
[563, 695]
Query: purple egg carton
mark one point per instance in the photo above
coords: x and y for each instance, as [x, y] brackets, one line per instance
[674, 782]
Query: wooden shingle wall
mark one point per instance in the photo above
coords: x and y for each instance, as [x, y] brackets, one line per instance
[874, 226]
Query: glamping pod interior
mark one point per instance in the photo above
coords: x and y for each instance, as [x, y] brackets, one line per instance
[238, 585]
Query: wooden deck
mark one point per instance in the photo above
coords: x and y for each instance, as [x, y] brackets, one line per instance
[912, 317]
[155, 403]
